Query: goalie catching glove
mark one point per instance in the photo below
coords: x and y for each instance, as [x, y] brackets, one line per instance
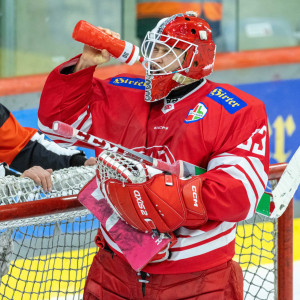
[163, 203]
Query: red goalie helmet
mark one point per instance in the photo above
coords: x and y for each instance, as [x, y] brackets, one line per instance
[182, 31]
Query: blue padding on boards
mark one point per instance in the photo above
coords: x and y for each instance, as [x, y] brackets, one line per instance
[282, 99]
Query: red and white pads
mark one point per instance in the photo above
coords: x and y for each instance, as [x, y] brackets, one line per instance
[164, 202]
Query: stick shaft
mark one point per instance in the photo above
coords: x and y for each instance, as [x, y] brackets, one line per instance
[178, 168]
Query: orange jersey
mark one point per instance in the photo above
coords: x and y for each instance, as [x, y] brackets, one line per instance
[22, 148]
[13, 137]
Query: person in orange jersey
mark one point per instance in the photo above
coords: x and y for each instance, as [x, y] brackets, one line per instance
[27, 151]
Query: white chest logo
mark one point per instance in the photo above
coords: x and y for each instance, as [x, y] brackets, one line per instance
[167, 107]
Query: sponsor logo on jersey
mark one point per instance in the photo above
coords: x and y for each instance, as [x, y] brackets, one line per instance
[231, 102]
[196, 114]
[135, 83]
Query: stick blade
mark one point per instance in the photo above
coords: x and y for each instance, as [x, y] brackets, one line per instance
[63, 129]
[287, 185]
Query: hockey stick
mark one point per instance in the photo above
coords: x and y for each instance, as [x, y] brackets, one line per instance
[275, 204]
[138, 247]
[284, 191]
[180, 168]
[287, 185]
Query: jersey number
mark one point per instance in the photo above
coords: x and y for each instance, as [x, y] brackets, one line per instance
[257, 142]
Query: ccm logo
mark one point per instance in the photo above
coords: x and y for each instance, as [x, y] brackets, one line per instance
[140, 202]
[195, 195]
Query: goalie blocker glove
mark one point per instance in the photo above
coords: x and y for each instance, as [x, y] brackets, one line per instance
[163, 203]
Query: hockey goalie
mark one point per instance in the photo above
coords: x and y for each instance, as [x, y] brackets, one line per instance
[172, 113]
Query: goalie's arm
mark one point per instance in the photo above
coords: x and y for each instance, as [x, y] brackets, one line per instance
[234, 183]
[69, 92]
[229, 191]
[67, 97]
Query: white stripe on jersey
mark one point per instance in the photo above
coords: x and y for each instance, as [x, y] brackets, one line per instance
[259, 168]
[79, 120]
[86, 125]
[202, 249]
[197, 235]
[257, 177]
[44, 128]
[68, 142]
[239, 175]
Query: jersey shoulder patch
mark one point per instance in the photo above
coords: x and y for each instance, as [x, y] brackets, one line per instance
[134, 83]
[196, 113]
[229, 101]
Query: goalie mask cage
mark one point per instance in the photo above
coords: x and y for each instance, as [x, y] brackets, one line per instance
[47, 245]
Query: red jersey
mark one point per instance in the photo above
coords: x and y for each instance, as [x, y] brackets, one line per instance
[215, 126]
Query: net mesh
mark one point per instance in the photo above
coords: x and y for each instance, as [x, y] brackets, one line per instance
[49, 257]
[256, 252]
[46, 257]
[65, 182]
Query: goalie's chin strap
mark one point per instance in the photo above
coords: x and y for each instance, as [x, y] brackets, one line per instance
[184, 80]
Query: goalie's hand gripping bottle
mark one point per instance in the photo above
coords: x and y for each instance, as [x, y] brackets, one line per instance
[91, 35]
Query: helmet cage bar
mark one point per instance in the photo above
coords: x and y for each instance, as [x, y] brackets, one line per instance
[149, 62]
[152, 61]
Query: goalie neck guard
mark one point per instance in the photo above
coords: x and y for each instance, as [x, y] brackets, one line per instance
[182, 31]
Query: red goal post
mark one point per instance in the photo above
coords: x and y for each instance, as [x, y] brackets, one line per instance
[264, 249]
[47, 241]
[284, 243]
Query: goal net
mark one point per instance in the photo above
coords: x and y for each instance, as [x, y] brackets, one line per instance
[47, 241]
